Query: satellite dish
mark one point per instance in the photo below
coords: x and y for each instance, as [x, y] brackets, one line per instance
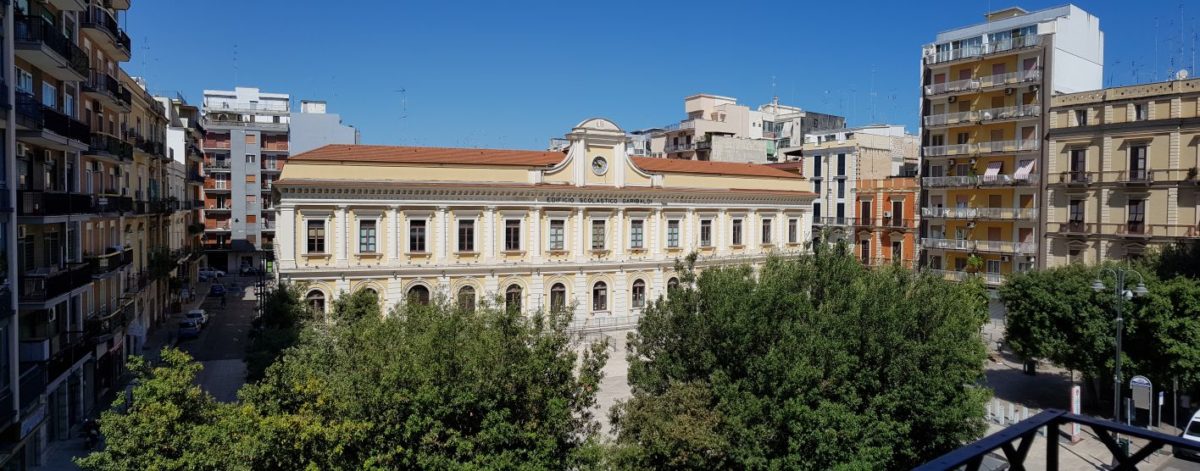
[1182, 74]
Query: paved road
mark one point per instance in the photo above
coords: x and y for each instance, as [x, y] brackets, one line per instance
[221, 347]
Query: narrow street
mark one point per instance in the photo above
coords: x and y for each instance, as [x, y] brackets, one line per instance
[221, 346]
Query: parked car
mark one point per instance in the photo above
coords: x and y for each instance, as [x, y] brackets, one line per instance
[198, 315]
[216, 289]
[188, 329]
[210, 273]
[1190, 433]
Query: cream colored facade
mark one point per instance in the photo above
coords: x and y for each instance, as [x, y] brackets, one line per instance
[591, 228]
[1123, 171]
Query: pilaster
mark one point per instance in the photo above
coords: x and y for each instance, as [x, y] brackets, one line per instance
[340, 234]
[286, 232]
[489, 234]
[618, 233]
[394, 239]
[535, 233]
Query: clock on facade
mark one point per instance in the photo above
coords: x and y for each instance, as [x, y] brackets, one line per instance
[599, 166]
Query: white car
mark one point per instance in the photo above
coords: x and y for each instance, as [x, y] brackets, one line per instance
[207, 273]
[198, 315]
[1190, 433]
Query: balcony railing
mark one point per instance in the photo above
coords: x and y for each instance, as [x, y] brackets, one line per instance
[1009, 112]
[1011, 44]
[1008, 146]
[952, 86]
[275, 146]
[679, 147]
[949, 274]
[211, 225]
[149, 146]
[1146, 230]
[100, 82]
[37, 116]
[950, 182]
[1003, 246]
[111, 261]
[273, 106]
[1011, 78]
[950, 119]
[195, 177]
[36, 30]
[218, 164]
[43, 203]
[273, 165]
[112, 204]
[217, 123]
[952, 244]
[216, 144]
[1022, 214]
[953, 149]
[686, 124]
[111, 145]
[218, 207]
[954, 54]
[100, 19]
[1071, 228]
[834, 221]
[40, 286]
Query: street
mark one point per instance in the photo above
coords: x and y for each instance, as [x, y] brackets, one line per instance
[221, 346]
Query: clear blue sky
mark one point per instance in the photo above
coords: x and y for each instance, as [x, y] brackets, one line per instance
[513, 74]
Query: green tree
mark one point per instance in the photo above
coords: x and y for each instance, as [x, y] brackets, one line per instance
[284, 315]
[813, 363]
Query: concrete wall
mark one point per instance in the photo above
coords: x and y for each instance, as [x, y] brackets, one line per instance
[312, 130]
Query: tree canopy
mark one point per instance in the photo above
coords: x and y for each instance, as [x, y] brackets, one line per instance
[814, 363]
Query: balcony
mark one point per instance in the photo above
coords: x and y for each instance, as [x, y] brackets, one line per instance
[1141, 230]
[1009, 113]
[1011, 44]
[268, 225]
[1008, 180]
[43, 203]
[117, 4]
[954, 86]
[1010, 146]
[834, 221]
[47, 127]
[163, 206]
[686, 124]
[42, 44]
[1011, 79]
[112, 204]
[953, 55]
[149, 146]
[217, 165]
[107, 320]
[280, 107]
[1006, 214]
[1006, 247]
[949, 182]
[949, 275]
[226, 207]
[1072, 228]
[43, 284]
[195, 178]
[945, 212]
[221, 122]
[274, 146]
[111, 146]
[216, 226]
[951, 119]
[216, 144]
[685, 147]
[107, 90]
[273, 165]
[942, 151]
[216, 186]
[111, 261]
[106, 33]
[947, 244]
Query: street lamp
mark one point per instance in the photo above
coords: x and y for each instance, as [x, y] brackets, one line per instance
[1098, 286]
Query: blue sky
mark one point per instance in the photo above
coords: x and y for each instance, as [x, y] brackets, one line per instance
[513, 74]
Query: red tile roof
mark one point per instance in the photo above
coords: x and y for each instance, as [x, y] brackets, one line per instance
[292, 182]
[520, 158]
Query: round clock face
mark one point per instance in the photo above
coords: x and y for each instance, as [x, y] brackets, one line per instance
[599, 165]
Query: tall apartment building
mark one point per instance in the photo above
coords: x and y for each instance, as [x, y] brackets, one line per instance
[313, 127]
[885, 230]
[837, 160]
[1122, 170]
[184, 136]
[985, 90]
[717, 128]
[245, 146]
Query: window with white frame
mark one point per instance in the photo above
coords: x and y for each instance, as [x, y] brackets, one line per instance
[766, 230]
[706, 233]
[673, 233]
[793, 231]
[512, 235]
[600, 296]
[637, 234]
[417, 236]
[367, 236]
[558, 235]
[24, 81]
[49, 95]
[1141, 111]
[737, 232]
[316, 236]
[598, 235]
[466, 235]
[639, 294]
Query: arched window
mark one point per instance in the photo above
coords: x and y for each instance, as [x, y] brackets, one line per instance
[558, 297]
[466, 298]
[372, 291]
[599, 296]
[512, 297]
[418, 294]
[672, 283]
[639, 294]
[316, 300]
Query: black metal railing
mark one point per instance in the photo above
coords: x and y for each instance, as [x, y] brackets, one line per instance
[148, 146]
[73, 346]
[41, 287]
[112, 145]
[4, 104]
[42, 203]
[113, 204]
[111, 261]
[66, 126]
[195, 177]
[100, 19]
[36, 30]
[33, 386]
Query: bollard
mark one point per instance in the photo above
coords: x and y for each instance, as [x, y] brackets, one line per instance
[1012, 413]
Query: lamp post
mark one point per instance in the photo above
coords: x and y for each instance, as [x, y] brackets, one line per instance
[1098, 286]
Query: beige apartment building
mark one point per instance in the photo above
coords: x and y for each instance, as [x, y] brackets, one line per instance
[1123, 171]
[717, 128]
[589, 227]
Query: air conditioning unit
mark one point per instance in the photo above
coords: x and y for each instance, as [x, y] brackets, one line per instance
[48, 156]
[1004, 259]
[1010, 91]
[952, 99]
[22, 149]
[21, 232]
[887, 214]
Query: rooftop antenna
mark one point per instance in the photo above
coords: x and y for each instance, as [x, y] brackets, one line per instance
[872, 94]
[775, 95]
[1155, 69]
[235, 65]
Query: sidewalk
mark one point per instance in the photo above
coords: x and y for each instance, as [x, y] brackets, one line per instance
[59, 454]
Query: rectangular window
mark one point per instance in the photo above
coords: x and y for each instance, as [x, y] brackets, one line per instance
[250, 158]
[637, 234]
[598, 235]
[706, 233]
[817, 187]
[558, 233]
[416, 236]
[816, 166]
[766, 230]
[466, 235]
[673, 233]
[24, 81]
[366, 236]
[841, 164]
[316, 236]
[1137, 163]
[251, 218]
[841, 188]
[1137, 216]
[993, 267]
[250, 178]
[1081, 117]
[793, 231]
[49, 95]
[816, 211]
[512, 235]
[1140, 112]
[737, 232]
[251, 138]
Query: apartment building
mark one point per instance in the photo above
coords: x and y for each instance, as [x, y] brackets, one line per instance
[246, 137]
[184, 136]
[717, 128]
[837, 160]
[590, 228]
[885, 229]
[313, 127]
[1122, 170]
[985, 91]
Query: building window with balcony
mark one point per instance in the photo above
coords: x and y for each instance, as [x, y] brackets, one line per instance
[706, 233]
[316, 237]
[1137, 216]
[1137, 162]
[673, 233]
[24, 81]
[766, 231]
[466, 235]
[841, 188]
[416, 236]
[512, 235]
[1081, 117]
[598, 235]
[639, 294]
[1140, 112]
[637, 234]
[1075, 215]
[600, 296]
[993, 267]
[557, 239]
[366, 236]
[558, 297]
[793, 231]
[1079, 165]
[737, 232]
[49, 95]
